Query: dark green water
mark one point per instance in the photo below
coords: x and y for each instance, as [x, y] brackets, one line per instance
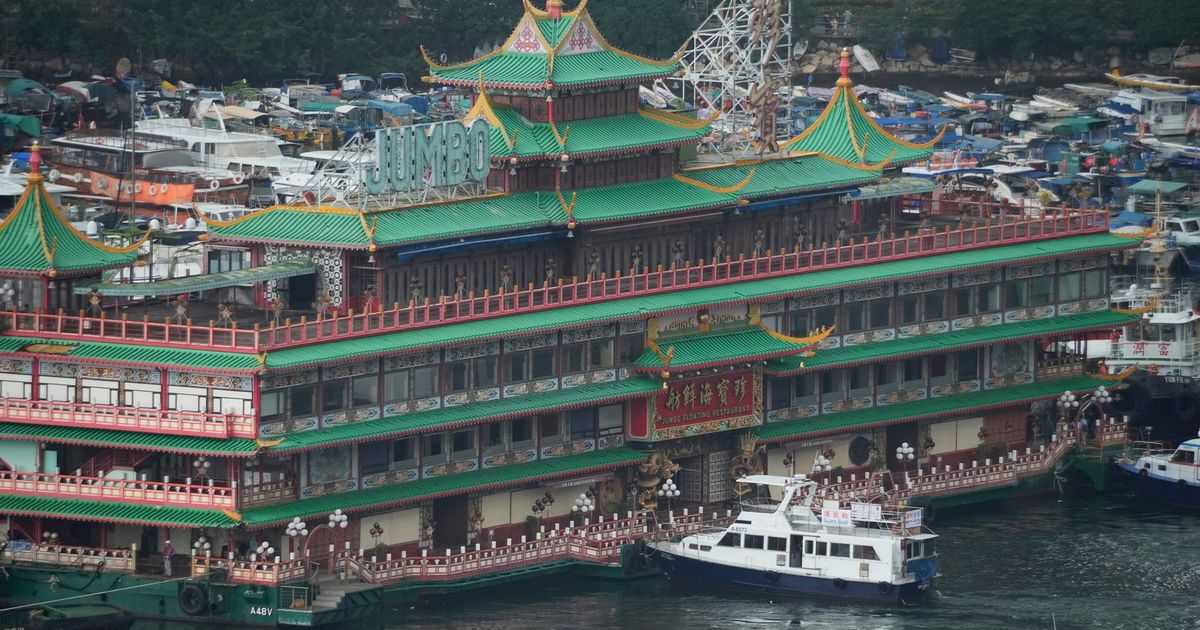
[1080, 563]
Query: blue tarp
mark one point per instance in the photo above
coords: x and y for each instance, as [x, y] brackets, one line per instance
[1127, 218]
[1112, 146]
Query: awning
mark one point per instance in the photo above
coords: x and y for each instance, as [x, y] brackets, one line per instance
[189, 284]
[1152, 186]
[895, 188]
[29, 125]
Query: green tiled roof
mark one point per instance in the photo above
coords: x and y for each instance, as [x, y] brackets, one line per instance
[531, 210]
[845, 131]
[508, 67]
[640, 307]
[426, 489]
[232, 447]
[203, 282]
[959, 339]
[140, 355]
[718, 348]
[113, 512]
[35, 237]
[958, 404]
[584, 137]
[474, 413]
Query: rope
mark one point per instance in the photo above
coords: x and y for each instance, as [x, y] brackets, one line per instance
[115, 590]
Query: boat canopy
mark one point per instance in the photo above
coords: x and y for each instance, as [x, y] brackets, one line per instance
[204, 282]
[28, 125]
[20, 86]
[895, 188]
[319, 106]
[1153, 186]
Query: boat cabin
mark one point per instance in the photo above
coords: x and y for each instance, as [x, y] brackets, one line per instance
[1165, 337]
[1164, 114]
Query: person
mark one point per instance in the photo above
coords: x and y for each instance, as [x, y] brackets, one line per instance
[168, 554]
[1083, 427]
[833, 24]
[828, 25]
[846, 20]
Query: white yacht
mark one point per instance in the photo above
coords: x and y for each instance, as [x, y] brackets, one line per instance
[1171, 476]
[253, 155]
[845, 550]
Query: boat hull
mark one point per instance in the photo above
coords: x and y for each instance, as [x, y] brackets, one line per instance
[1163, 490]
[726, 576]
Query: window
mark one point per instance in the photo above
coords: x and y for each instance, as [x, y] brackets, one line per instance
[333, 395]
[404, 450]
[806, 386]
[825, 317]
[464, 442]
[860, 378]
[1093, 283]
[434, 445]
[730, 540]
[962, 302]
[865, 552]
[221, 260]
[808, 546]
[582, 424]
[516, 367]
[145, 398]
[781, 393]
[425, 382]
[632, 347]
[776, 544]
[751, 541]
[1041, 291]
[396, 386]
[373, 457]
[1017, 295]
[272, 405]
[987, 298]
[822, 549]
[549, 426]
[831, 382]
[910, 309]
[456, 376]
[839, 550]
[881, 313]
[1069, 288]
[601, 355]
[967, 362]
[522, 430]
[611, 420]
[885, 374]
[302, 401]
[935, 306]
[575, 358]
[493, 435]
[364, 391]
[914, 370]
[543, 362]
[485, 372]
[939, 371]
[856, 317]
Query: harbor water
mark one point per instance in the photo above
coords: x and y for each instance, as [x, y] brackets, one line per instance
[1079, 562]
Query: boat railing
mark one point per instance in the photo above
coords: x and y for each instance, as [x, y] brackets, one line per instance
[376, 319]
[124, 560]
[162, 493]
[263, 571]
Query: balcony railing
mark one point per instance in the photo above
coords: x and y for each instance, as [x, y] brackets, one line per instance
[164, 421]
[267, 572]
[162, 493]
[997, 229]
[71, 556]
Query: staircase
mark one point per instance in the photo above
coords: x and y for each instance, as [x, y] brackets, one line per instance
[109, 461]
[333, 591]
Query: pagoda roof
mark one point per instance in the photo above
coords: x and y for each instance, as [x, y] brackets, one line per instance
[515, 135]
[844, 131]
[564, 50]
[722, 347]
[35, 238]
[500, 213]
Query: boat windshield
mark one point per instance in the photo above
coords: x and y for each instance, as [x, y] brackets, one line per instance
[250, 149]
[759, 500]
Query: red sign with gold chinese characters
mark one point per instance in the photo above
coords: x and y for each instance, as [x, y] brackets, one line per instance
[708, 404]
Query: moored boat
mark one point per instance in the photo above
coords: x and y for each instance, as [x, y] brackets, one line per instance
[860, 551]
[1171, 476]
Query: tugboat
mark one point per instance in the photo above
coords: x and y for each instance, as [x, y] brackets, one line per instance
[1169, 476]
[859, 551]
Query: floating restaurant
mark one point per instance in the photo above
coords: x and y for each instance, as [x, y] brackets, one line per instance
[491, 376]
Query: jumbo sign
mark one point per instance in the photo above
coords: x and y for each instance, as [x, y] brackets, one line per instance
[441, 154]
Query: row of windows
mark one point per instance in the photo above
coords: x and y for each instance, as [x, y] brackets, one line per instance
[491, 439]
[918, 372]
[961, 302]
[811, 547]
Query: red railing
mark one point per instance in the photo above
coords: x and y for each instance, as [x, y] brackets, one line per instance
[167, 494]
[71, 556]
[264, 572]
[1004, 230]
[164, 421]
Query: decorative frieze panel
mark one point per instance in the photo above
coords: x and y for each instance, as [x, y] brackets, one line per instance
[849, 404]
[1029, 314]
[415, 359]
[792, 413]
[636, 326]
[870, 336]
[902, 396]
[1085, 262]
[577, 335]
[16, 366]
[924, 285]
[976, 321]
[529, 343]
[451, 468]
[1029, 271]
[390, 478]
[972, 278]
[83, 370]
[569, 448]
[816, 300]
[346, 370]
[1021, 378]
[504, 459]
[461, 353]
[290, 379]
[926, 328]
[771, 308]
[192, 379]
[949, 389]
[870, 292]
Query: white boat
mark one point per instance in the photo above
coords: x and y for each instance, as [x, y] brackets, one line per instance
[1171, 476]
[254, 156]
[795, 545]
[1164, 114]
[1151, 81]
[865, 59]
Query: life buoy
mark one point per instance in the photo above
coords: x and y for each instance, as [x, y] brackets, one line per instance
[128, 188]
[101, 183]
[137, 188]
[214, 184]
[839, 583]
[193, 599]
[152, 190]
[238, 178]
[885, 587]
[54, 174]
[1184, 404]
[771, 576]
[77, 177]
[164, 189]
[1144, 474]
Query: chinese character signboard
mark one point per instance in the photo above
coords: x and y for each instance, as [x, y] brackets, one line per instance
[706, 405]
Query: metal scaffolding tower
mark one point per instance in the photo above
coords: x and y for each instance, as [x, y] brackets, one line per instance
[738, 60]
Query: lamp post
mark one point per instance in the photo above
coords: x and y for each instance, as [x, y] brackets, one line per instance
[298, 529]
[376, 533]
[1068, 404]
[669, 491]
[822, 464]
[789, 462]
[905, 454]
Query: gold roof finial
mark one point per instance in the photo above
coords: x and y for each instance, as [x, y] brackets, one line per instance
[844, 67]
